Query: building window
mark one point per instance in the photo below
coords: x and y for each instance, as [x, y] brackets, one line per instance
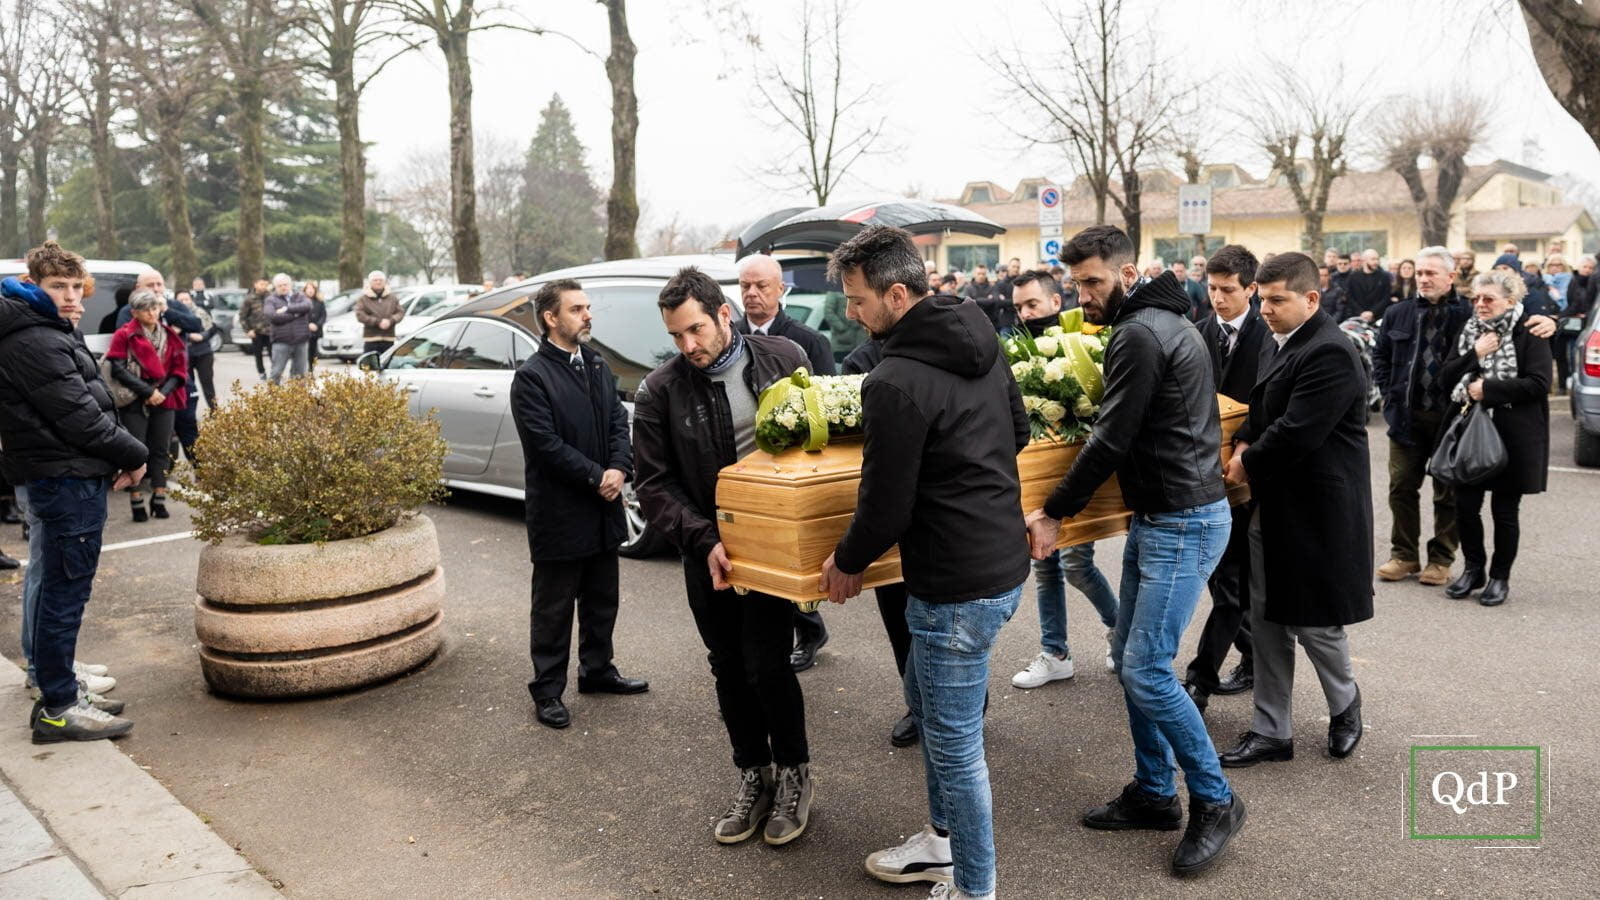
[1352, 241]
[1223, 178]
[1484, 246]
[968, 256]
[1183, 247]
[1031, 192]
[979, 195]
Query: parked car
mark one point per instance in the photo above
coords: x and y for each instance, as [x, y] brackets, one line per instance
[342, 334]
[1584, 394]
[99, 308]
[224, 305]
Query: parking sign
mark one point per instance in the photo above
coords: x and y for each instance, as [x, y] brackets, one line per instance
[1049, 205]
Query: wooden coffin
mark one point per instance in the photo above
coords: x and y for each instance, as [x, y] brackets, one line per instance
[780, 515]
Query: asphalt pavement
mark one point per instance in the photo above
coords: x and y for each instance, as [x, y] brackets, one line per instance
[441, 783]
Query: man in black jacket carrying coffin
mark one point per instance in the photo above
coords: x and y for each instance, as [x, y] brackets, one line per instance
[575, 451]
[693, 415]
[1303, 451]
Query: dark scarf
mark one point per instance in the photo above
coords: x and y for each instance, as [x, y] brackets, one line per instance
[730, 355]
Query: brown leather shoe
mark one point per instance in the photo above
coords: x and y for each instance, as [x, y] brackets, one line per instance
[1435, 573]
[1398, 569]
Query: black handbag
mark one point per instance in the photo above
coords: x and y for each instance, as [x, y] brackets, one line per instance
[1471, 451]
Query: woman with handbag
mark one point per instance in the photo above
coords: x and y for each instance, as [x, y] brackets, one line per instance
[148, 360]
[1498, 364]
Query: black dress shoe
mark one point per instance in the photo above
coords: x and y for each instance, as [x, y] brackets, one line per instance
[805, 654]
[551, 711]
[1210, 828]
[612, 684]
[1135, 809]
[1257, 748]
[1199, 695]
[905, 732]
[7, 562]
[1345, 729]
[1241, 679]
[1470, 579]
[1495, 592]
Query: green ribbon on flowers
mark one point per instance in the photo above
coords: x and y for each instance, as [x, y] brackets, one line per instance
[1075, 349]
[777, 397]
[1072, 320]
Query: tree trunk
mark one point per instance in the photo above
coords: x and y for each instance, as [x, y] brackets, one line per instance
[1436, 227]
[1132, 208]
[38, 184]
[352, 173]
[622, 206]
[1565, 39]
[10, 234]
[252, 183]
[175, 205]
[1313, 226]
[1406, 166]
[463, 183]
[105, 218]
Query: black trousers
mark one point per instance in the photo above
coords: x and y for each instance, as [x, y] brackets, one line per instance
[1229, 621]
[204, 368]
[261, 344]
[749, 639]
[153, 427]
[590, 584]
[892, 607]
[1503, 509]
[808, 627]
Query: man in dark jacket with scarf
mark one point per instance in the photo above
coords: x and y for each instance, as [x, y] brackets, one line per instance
[1303, 451]
[944, 423]
[575, 451]
[59, 427]
[1160, 432]
[693, 415]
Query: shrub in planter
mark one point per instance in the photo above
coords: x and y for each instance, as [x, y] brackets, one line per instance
[319, 574]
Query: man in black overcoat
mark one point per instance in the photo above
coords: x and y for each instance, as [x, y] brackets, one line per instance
[1234, 332]
[1303, 451]
[576, 455]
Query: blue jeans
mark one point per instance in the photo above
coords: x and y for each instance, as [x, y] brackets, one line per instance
[71, 513]
[1074, 566]
[947, 679]
[1165, 565]
[30, 575]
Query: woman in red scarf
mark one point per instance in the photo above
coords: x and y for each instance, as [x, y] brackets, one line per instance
[148, 358]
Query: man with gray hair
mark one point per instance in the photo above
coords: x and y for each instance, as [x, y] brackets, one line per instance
[289, 311]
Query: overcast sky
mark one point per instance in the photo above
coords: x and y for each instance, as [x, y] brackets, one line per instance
[704, 141]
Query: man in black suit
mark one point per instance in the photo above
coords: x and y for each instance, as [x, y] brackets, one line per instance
[1303, 451]
[576, 453]
[1234, 332]
[762, 289]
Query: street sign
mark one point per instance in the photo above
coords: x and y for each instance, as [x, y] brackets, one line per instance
[1049, 205]
[1194, 209]
[1050, 250]
[1049, 231]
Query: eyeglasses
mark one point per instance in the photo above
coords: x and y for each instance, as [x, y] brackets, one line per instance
[1486, 298]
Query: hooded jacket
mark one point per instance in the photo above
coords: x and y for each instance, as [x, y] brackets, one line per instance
[1159, 429]
[57, 419]
[944, 424]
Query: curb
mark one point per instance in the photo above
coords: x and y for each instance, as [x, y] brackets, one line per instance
[122, 826]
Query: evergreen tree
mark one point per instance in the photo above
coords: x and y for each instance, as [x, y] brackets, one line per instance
[561, 208]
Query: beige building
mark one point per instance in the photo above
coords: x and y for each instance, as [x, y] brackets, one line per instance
[1498, 202]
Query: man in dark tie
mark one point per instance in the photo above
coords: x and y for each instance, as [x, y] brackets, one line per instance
[1234, 332]
[576, 455]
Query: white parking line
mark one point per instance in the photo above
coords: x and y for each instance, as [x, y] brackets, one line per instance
[1575, 471]
[141, 542]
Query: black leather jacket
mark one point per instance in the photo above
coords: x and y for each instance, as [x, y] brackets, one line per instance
[1159, 429]
[683, 436]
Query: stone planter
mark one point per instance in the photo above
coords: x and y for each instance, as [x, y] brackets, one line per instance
[293, 620]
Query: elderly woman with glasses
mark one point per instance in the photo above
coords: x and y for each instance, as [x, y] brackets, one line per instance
[147, 357]
[1497, 363]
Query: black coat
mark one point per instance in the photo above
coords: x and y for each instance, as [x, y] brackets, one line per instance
[573, 427]
[817, 349]
[1311, 479]
[1520, 408]
[1236, 379]
[1394, 356]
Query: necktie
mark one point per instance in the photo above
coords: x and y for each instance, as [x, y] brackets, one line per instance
[1225, 341]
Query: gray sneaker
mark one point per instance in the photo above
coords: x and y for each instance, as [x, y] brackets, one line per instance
[79, 722]
[791, 808]
[104, 704]
[750, 806]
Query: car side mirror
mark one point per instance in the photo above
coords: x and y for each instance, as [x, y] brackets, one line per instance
[369, 362]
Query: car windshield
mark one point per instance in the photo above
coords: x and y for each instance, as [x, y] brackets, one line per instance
[341, 304]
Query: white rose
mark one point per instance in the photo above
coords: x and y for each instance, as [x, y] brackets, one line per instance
[1053, 412]
[788, 420]
[1055, 331]
[1031, 403]
[1020, 370]
[1047, 346]
[850, 421]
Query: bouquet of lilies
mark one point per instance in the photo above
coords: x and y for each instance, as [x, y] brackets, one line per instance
[805, 410]
[1059, 375]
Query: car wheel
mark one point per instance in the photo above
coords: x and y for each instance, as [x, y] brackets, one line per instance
[1586, 447]
[641, 542]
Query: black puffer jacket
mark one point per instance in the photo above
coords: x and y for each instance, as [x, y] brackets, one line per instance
[56, 415]
[944, 424]
[683, 436]
[1159, 429]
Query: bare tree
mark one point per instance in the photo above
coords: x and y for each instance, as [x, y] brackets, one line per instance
[48, 90]
[500, 204]
[346, 31]
[421, 194]
[1297, 122]
[1565, 39]
[1443, 128]
[93, 24]
[1106, 98]
[622, 204]
[13, 60]
[675, 237]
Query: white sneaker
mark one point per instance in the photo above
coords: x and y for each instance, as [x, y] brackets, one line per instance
[1044, 669]
[1111, 664]
[83, 668]
[951, 892]
[96, 684]
[924, 857]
